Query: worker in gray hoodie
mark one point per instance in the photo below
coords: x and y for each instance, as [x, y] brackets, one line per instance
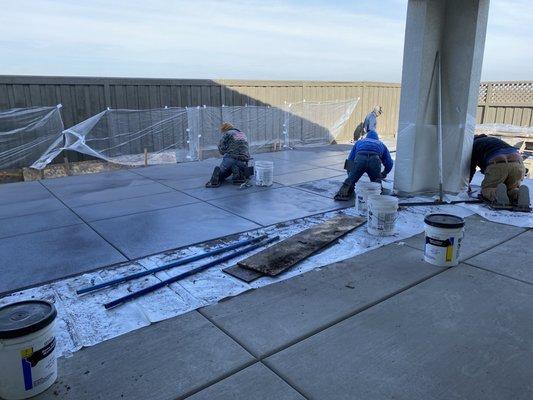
[235, 156]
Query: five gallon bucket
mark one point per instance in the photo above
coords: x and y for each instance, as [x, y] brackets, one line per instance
[362, 191]
[382, 215]
[444, 233]
[264, 173]
[28, 363]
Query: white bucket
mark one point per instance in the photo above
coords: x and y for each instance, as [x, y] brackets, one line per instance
[444, 233]
[382, 215]
[28, 364]
[264, 173]
[362, 191]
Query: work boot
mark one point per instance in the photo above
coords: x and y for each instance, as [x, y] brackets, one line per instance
[238, 175]
[500, 196]
[215, 179]
[345, 193]
[523, 198]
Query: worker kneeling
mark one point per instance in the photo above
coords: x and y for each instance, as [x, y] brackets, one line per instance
[504, 171]
[368, 155]
[235, 151]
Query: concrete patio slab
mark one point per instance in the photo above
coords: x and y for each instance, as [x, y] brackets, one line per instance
[11, 193]
[480, 235]
[295, 178]
[295, 155]
[275, 316]
[227, 189]
[37, 222]
[187, 183]
[166, 360]
[99, 179]
[464, 334]
[82, 195]
[177, 171]
[276, 205]
[256, 382]
[512, 258]
[35, 206]
[156, 231]
[325, 187]
[134, 205]
[44, 256]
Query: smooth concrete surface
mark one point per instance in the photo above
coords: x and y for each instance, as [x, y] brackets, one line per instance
[513, 258]
[326, 187]
[145, 210]
[479, 235]
[227, 189]
[27, 207]
[156, 231]
[256, 382]
[88, 194]
[37, 222]
[44, 256]
[295, 178]
[274, 316]
[163, 361]
[133, 205]
[463, 334]
[276, 205]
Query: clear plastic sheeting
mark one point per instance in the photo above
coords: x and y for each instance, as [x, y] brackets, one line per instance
[316, 122]
[418, 170]
[25, 133]
[505, 130]
[168, 135]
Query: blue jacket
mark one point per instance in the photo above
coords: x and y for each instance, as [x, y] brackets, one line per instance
[372, 144]
[370, 122]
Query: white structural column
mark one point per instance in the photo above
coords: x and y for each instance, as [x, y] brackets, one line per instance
[456, 29]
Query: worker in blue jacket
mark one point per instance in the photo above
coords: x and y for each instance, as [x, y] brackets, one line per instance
[370, 123]
[368, 155]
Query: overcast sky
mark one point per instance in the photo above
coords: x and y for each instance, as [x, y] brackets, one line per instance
[237, 39]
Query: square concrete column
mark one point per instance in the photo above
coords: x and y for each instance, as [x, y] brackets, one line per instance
[456, 29]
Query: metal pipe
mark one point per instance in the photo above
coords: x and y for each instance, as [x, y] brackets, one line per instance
[173, 264]
[437, 203]
[439, 123]
[163, 283]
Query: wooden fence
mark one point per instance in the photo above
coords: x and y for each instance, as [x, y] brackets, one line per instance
[499, 102]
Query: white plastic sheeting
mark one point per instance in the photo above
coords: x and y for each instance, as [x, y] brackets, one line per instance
[183, 134]
[422, 160]
[25, 133]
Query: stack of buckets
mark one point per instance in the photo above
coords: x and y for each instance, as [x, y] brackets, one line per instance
[382, 211]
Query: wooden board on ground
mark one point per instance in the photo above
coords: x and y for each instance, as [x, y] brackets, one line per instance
[246, 275]
[283, 255]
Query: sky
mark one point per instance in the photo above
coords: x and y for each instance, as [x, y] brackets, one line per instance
[343, 40]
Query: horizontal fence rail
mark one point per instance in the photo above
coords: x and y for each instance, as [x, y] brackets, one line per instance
[83, 97]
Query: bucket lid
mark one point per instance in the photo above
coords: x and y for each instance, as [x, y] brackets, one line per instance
[25, 317]
[444, 221]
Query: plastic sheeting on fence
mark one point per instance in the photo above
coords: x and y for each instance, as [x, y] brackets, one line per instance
[186, 134]
[25, 133]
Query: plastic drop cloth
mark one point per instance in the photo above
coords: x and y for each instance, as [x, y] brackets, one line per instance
[25, 133]
[169, 135]
[422, 160]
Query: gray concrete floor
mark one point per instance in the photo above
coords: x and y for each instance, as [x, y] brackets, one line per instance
[56, 228]
[381, 325]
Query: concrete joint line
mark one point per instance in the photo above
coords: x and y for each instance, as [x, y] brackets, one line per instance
[498, 273]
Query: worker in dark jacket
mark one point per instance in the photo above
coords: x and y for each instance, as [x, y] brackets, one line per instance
[368, 155]
[235, 156]
[504, 171]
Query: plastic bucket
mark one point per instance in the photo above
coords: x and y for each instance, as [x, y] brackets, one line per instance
[264, 173]
[28, 363]
[382, 215]
[444, 233]
[362, 191]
